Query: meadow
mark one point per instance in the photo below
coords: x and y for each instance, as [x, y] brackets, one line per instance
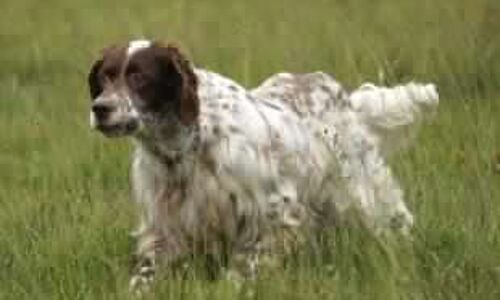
[65, 213]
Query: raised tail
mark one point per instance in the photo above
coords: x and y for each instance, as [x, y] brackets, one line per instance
[393, 113]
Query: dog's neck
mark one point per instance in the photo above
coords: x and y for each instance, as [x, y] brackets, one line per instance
[169, 143]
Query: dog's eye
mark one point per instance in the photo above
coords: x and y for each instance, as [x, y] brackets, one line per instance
[110, 74]
[136, 79]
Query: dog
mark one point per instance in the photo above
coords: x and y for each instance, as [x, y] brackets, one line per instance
[219, 168]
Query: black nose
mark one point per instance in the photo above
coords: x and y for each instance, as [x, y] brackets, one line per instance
[102, 110]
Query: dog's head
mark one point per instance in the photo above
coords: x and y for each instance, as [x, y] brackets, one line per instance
[135, 87]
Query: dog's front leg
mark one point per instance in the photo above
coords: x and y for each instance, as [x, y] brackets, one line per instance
[144, 264]
[243, 266]
[157, 251]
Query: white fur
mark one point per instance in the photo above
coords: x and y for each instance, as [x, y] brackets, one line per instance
[137, 45]
[392, 113]
[299, 137]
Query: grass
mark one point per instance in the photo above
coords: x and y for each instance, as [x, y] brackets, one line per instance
[65, 215]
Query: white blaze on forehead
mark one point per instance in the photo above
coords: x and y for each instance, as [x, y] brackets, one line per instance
[137, 45]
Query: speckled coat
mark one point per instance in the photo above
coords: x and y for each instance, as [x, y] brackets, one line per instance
[242, 167]
[291, 153]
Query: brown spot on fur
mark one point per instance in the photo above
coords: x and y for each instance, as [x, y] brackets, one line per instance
[214, 117]
[272, 105]
[232, 197]
[216, 130]
[234, 129]
[325, 89]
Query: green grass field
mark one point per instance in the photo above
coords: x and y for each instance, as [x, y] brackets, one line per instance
[65, 215]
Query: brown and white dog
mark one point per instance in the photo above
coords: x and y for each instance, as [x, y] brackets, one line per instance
[218, 167]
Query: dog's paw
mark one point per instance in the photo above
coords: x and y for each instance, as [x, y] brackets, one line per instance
[141, 282]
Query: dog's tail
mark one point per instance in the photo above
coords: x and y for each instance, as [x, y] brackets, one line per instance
[393, 113]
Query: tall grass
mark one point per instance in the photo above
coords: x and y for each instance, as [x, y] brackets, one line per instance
[64, 208]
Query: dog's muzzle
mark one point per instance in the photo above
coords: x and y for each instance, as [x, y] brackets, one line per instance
[113, 117]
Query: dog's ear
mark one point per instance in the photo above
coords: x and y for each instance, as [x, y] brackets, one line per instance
[181, 74]
[95, 87]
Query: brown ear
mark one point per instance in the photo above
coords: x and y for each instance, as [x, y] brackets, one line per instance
[189, 102]
[95, 87]
[113, 51]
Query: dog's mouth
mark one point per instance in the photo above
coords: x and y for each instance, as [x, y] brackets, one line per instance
[118, 130]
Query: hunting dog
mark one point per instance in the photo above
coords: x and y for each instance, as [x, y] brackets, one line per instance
[218, 167]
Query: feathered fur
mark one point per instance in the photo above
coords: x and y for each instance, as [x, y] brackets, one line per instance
[218, 167]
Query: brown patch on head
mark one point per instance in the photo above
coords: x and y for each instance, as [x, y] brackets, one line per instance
[189, 109]
[159, 77]
[163, 77]
[95, 87]
[106, 70]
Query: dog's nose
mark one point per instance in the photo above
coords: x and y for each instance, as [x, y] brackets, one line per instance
[101, 110]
